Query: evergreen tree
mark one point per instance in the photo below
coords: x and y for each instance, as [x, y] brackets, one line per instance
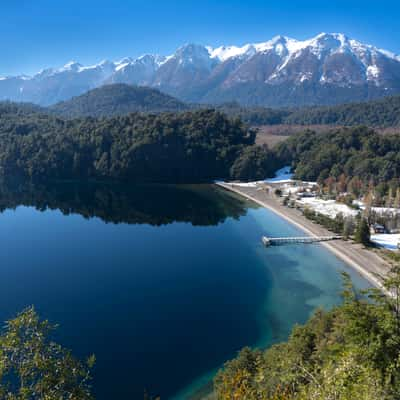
[363, 235]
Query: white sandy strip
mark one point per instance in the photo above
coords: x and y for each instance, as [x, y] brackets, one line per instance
[369, 276]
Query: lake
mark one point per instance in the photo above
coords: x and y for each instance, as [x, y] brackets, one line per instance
[162, 283]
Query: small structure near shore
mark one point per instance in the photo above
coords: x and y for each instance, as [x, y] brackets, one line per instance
[270, 241]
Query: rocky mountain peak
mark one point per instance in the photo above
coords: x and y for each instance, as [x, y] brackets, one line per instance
[280, 71]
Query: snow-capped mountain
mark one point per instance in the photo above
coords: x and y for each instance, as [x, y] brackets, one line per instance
[326, 69]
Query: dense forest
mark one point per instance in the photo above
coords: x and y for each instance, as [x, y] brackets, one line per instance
[379, 113]
[195, 146]
[255, 116]
[355, 158]
[192, 146]
[349, 353]
[120, 99]
[117, 99]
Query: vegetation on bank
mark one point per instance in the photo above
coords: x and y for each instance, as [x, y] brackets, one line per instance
[347, 227]
[172, 147]
[191, 146]
[354, 160]
[349, 353]
[335, 225]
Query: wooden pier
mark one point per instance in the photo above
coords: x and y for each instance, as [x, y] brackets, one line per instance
[272, 241]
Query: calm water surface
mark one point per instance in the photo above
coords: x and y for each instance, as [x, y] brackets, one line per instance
[162, 283]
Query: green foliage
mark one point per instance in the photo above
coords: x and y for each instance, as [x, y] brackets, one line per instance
[255, 116]
[117, 99]
[255, 162]
[184, 147]
[350, 158]
[349, 353]
[362, 234]
[333, 224]
[379, 113]
[32, 367]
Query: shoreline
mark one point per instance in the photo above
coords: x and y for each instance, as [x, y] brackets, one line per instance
[368, 264]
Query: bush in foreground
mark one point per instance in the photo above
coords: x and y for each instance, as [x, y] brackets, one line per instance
[32, 367]
[349, 353]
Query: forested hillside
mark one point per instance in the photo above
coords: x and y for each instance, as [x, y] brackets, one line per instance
[255, 116]
[185, 147]
[358, 157]
[379, 113]
[118, 99]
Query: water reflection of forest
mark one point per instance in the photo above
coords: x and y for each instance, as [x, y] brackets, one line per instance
[145, 204]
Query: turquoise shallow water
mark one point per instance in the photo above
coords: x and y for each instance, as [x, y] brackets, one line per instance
[300, 278]
[163, 284]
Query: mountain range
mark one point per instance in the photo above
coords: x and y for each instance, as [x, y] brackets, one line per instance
[327, 69]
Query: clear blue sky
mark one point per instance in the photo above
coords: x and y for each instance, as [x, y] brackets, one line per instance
[40, 33]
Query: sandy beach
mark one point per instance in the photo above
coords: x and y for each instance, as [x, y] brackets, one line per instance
[364, 261]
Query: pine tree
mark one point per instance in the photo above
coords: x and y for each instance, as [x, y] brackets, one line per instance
[363, 235]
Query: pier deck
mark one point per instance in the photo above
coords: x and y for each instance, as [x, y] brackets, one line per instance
[271, 241]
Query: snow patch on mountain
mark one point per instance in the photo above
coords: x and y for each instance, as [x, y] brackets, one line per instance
[328, 58]
[372, 72]
[224, 53]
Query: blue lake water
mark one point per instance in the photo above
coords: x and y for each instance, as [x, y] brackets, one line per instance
[162, 283]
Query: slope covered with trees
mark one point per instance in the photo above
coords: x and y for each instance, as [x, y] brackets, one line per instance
[379, 113]
[171, 147]
[357, 157]
[255, 116]
[118, 99]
